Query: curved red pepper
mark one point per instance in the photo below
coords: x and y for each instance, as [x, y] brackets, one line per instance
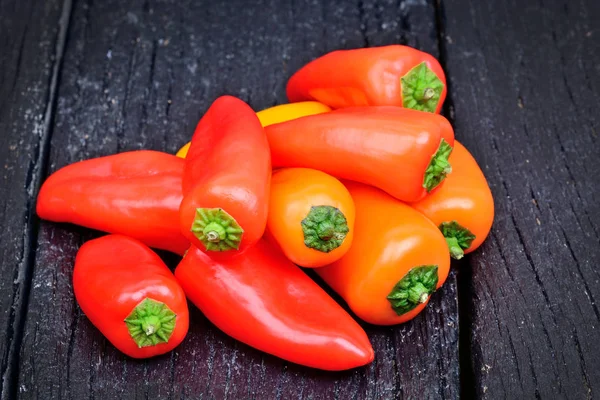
[130, 295]
[135, 193]
[264, 300]
[393, 75]
[226, 179]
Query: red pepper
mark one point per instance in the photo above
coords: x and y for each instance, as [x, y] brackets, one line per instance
[135, 193]
[130, 295]
[401, 151]
[226, 179]
[393, 75]
[264, 300]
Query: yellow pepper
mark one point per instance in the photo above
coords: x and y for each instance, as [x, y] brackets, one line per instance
[287, 112]
[280, 113]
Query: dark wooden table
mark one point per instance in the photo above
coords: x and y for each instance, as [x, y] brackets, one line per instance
[517, 319]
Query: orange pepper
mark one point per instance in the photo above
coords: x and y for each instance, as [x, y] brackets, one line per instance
[277, 114]
[397, 259]
[311, 216]
[463, 207]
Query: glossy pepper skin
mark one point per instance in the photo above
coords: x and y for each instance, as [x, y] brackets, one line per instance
[463, 207]
[135, 193]
[398, 150]
[311, 216]
[262, 299]
[398, 258]
[287, 112]
[130, 295]
[226, 179]
[393, 75]
[277, 114]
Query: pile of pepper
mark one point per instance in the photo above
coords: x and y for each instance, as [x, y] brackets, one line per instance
[358, 177]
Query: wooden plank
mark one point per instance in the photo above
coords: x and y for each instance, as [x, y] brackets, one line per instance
[31, 43]
[139, 75]
[525, 92]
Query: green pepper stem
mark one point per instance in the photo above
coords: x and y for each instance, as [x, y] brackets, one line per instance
[456, 251]
[438, 167]
[212, 236]
[324, 228]
[421, 89]
[214, 232]
[424, 94]
[418, 293]
[428, 93]
[216, 229]
[414, 288]
[150, 322]
[458, 238]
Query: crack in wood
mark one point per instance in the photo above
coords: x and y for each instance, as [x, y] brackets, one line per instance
[363, 22]
[18, 62]
[149, 88]
[534, 269]
[76, 312]
[516, 358]
[128, 83]
[586, 379]
[588, 292]
[280, 380]
[594, 229]
[534, 376]
[552, 351]
[33, 180]
[397, 390]
[405, 25]
[172, 361]
[465, 276]
[567, 243]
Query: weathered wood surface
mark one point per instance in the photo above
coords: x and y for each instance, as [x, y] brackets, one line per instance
[139, 76]
[523, 80]
[30, 55]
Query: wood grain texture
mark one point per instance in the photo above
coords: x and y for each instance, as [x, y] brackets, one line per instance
[524, 84]
[139, 75]
[31, 42]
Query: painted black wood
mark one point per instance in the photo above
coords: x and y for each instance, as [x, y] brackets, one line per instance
[31, 43]
[524, 84]
[523, 98]
[139, 75]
